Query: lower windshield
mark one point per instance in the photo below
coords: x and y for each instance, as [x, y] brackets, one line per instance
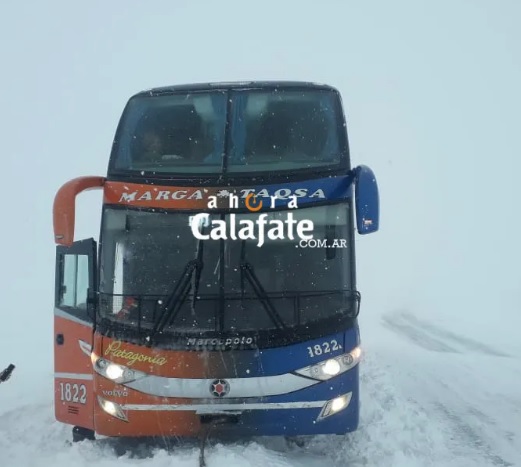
[151, 259]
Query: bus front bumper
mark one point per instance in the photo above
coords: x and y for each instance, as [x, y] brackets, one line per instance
[338, 415]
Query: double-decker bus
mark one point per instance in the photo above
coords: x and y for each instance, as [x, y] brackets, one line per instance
[222, 291]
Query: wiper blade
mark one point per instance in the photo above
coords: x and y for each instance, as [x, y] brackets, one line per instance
[247, 272]
[176, 299]
[197, 275]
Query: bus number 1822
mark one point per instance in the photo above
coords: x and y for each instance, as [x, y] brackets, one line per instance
[325, 347]
[76, 393]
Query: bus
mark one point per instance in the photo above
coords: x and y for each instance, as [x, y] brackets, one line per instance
[221, 292]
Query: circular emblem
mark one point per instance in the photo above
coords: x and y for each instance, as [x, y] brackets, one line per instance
[219, 388]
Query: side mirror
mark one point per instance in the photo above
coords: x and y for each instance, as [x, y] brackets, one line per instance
[367, 200]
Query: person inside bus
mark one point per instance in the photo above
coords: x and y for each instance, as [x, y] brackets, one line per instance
[152, 146]
[152, 149]
[178, 138]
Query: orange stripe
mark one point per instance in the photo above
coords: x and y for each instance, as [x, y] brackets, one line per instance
[166, 197]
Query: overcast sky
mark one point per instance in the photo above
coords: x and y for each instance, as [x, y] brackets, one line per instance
[431, 93]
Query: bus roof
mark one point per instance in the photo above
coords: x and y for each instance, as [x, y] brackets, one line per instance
[235, 85]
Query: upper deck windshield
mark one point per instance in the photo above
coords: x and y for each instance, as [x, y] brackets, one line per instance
[240, 287]
[240, 131]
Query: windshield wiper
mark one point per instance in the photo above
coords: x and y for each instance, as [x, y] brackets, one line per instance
[247, 272]
[198, 271]
[186, 283]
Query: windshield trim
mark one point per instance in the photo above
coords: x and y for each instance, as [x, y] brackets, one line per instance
[227, 177]
[248, 339]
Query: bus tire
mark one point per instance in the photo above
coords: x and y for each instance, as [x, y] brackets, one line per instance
[81, 434]
[298, 441]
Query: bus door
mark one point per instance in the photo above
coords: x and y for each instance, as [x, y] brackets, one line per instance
[73, 333]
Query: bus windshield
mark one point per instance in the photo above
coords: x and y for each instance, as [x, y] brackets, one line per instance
[145, 255]
[240, 131]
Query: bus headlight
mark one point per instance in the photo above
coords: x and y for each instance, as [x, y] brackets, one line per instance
[120, 374]
[327, 369]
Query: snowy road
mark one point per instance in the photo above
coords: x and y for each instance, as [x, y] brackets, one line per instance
[430, 397]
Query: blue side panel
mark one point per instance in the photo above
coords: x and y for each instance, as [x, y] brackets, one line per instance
[293, 422]
[308, 191]
[298, 422]
[280, 360]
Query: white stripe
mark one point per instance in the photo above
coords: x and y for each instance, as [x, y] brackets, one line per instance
[65, 315]
[84, 376]
[194, 388]
[216, 408]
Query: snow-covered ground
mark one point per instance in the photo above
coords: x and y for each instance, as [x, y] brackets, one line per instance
[431, 396]
[432, 97]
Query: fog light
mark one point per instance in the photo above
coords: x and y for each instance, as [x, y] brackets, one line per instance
[335, 405]
[338, 404]
[112, 408]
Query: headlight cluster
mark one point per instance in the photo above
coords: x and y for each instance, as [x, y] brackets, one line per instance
[120, 374]
[327, 369]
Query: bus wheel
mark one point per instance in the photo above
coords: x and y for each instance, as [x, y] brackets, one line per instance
[81, 434]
